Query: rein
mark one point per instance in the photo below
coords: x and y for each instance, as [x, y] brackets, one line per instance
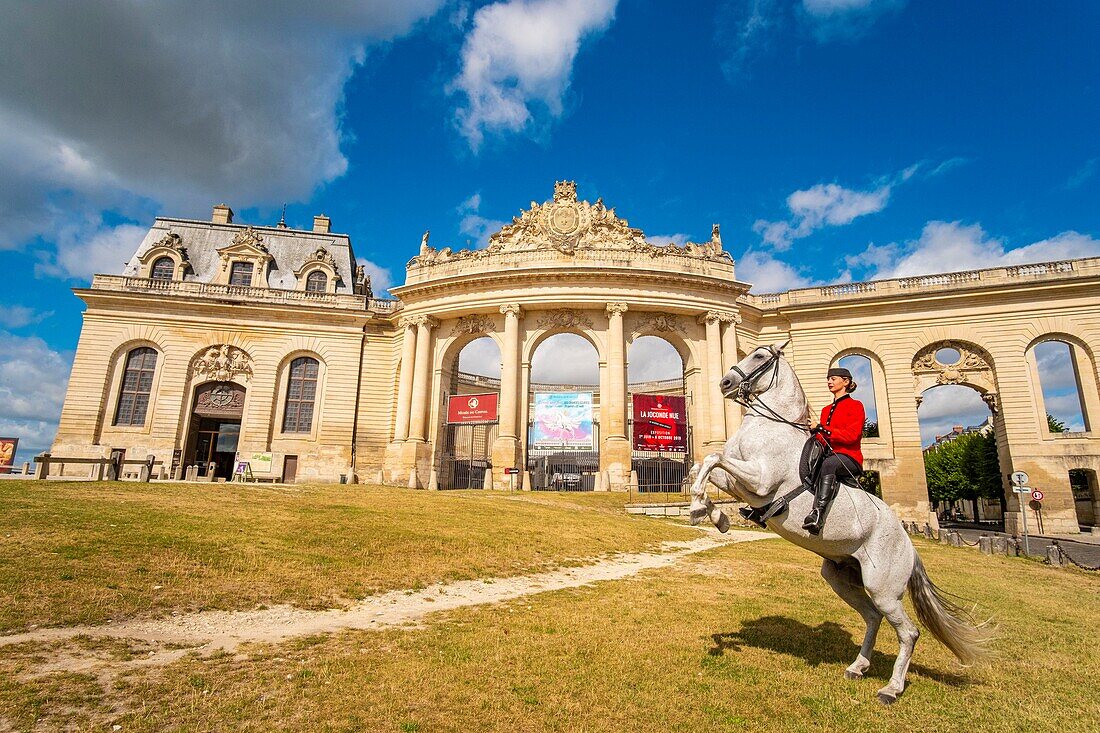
[745, 397]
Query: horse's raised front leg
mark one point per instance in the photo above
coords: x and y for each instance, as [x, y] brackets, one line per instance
[845, 580]
[746, 472]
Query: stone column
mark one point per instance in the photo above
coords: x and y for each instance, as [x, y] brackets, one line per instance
[717, 432]
[509, 371]
[506, 453]
[733, 412]
[616, 443]
[405, 381]
[418, 418]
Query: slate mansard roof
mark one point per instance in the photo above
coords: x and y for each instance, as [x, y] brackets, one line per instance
[289, 249]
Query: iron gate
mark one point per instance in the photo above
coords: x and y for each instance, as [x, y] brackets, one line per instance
[662, 472]
[564, 470]
[467, 455]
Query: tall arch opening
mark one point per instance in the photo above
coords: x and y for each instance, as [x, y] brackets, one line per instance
[470, 415]
[563, 433]
[961, 464]
[1060, 386]
[658, 427]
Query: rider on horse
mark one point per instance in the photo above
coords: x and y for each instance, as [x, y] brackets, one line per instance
[841, 430]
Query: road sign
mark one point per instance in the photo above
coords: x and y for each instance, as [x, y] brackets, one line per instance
[508, 471]
[1036, 495]
[1022, 489]
[1019, 478]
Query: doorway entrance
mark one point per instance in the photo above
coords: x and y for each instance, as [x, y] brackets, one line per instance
[215, 428]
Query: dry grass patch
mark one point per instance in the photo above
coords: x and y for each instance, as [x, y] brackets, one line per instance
[87, 552]
[760, 646]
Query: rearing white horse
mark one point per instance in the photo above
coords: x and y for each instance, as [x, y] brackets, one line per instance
[869, 560]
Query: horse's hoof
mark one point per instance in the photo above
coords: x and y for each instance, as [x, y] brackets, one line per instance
[887, 697]
[852, 675]
[723, 524]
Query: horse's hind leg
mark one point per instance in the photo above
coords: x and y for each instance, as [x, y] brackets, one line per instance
[885, 590]
[845, 580]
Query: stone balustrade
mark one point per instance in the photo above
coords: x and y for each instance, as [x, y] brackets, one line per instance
[243, 293]
[1038, 272]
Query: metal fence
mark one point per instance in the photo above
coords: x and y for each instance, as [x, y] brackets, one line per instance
[466, 455]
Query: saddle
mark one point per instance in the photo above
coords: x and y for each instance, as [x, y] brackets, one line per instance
[809, 466]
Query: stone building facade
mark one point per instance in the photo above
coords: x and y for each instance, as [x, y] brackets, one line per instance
[274, 334]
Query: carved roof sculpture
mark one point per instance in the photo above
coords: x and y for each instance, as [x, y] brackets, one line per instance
[567, 225]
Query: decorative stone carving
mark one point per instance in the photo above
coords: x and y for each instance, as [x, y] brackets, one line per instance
[220, 400]
[172, 241]
[321, 256]
[422, 319]
[616, 309]
[567, 225]
[248, 237]
[224, 362]
[170, 245]
[972, 369]
[564, 318]
[476, 323]
[660, 322]
[713, 316]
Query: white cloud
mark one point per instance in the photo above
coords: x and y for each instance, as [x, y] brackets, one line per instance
[475, 225]
[840, 19]
[518, 58]
[944, 407]
[826, 204]
[659, 240]
[652, 358]
[565, 359]
[1083, 174]
[954, 247]
[380, 278]
[769, 275]
[1055, 366]
[82, 252]
[480, 356]
[18, 316]
[33, 378]
[129, 106]
[746, 28]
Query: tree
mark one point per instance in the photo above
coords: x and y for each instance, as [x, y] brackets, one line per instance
[966, 468]
[1055, 425]
[870, 429]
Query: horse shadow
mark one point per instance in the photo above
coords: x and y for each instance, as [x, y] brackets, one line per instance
[826, 643]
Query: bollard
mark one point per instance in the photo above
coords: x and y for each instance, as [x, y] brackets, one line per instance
[956, 540]
[42, 470]
[1014, 547]
[1054, 556]
[1000, 545]
[927, 531]
[945, 536]
[985, 545]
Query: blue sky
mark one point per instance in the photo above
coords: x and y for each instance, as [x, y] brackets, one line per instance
[832, 139]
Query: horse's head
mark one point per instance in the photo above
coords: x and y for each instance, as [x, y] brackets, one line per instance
[755, 373]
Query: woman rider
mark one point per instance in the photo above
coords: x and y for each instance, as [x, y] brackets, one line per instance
[841, 428]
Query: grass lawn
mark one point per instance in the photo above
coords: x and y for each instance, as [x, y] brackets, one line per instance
[741, 638]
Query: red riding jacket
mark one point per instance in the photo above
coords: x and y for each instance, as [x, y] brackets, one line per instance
[842, 423]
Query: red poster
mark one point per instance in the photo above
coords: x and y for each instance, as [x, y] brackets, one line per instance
[466, 408]
[660, 423]
[8, 446]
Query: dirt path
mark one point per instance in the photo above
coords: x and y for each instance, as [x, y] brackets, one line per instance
[210, 631]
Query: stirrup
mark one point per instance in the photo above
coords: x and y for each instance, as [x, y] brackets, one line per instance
[753, 515]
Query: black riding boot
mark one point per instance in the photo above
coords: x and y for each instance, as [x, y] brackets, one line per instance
[825, 493]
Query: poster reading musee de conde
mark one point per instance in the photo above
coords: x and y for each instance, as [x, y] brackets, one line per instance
[660, 423]
[562, 420]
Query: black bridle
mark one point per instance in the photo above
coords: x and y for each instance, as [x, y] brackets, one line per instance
[744, 392]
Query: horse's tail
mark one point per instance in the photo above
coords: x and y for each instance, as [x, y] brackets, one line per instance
[948, 622]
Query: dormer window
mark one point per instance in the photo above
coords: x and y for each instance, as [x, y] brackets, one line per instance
[317, 282]
[240, 273]
[163, 269]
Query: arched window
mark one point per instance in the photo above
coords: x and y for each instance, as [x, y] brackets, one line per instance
[240, 273]
[301, 393]
[317, 282]
[163, 269]
[137, 383]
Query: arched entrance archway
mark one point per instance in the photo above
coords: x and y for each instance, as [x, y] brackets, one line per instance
[563, 434]
[659, 429]
[470, 414]
[215, 428]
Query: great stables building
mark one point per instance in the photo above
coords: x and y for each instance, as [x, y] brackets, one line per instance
[221, 341]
